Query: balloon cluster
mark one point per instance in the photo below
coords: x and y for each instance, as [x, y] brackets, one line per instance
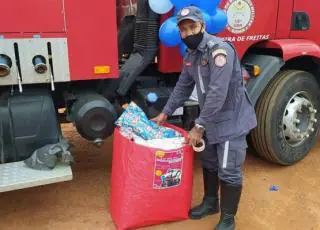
[215, 19]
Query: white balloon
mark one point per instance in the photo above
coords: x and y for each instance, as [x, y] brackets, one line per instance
[160, 6]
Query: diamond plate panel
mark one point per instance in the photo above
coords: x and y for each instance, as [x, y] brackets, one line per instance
[17, 175]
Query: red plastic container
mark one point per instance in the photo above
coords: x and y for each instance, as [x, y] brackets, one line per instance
[140, 195]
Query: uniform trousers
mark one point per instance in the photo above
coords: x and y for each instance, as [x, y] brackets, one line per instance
[227, 158]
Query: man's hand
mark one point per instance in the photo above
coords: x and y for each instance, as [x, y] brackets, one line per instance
[162, 117]
[195, 136]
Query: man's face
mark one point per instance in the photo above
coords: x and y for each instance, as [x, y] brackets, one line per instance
[188, 27]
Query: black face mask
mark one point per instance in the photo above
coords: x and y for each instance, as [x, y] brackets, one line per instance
[193, 41]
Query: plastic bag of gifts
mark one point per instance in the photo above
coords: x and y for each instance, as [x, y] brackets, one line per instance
[135, 125]
[145, 178]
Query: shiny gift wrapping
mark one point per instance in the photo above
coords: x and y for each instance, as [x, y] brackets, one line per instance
[133, 117]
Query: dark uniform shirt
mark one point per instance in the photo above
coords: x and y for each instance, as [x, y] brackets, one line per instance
[226, 111]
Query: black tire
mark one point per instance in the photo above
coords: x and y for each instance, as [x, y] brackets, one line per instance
[268, 138]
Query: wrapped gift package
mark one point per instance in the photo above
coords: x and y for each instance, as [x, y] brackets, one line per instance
[135, 119]
[150, 185]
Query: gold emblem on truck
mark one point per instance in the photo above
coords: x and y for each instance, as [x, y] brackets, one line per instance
[241, 14]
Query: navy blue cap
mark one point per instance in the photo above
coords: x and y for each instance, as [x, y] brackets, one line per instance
[190, 12]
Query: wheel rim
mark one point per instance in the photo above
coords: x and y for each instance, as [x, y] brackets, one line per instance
[299, 119]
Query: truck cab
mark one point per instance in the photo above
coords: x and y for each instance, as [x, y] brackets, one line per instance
[279, 47]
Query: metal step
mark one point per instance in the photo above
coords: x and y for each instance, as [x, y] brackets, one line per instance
[17, 175]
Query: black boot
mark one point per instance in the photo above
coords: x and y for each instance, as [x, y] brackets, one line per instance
[210, 202]
[230, 198]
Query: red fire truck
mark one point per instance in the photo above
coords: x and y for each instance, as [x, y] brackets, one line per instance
[89, 59]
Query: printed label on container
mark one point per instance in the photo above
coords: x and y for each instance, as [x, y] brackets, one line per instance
[167, 169]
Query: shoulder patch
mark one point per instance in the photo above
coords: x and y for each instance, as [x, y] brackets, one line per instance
[219, 51]
[220, 57]
[220, 60]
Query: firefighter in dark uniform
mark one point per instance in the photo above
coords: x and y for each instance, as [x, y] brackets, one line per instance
[226, 115]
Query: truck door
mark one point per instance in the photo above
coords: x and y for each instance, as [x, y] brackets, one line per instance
[305, 20]
[250, 21]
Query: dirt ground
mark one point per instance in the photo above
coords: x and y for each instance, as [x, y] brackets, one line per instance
[83, 202]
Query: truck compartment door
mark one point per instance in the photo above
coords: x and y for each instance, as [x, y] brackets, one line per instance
[32, 16]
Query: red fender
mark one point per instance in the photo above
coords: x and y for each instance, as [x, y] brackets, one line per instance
[292, 48]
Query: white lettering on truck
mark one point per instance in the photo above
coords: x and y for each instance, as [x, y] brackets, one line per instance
[247, 38]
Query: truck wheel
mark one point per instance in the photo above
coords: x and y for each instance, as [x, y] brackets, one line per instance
[287, 118]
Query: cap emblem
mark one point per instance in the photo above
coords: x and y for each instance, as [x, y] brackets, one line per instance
[185, 12]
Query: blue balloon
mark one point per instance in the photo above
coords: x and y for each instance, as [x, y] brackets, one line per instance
[179, 4]
[176, 11]
[169, 33]
[183, 49]
[208, 21]
[160, 7]
[208, 5]
[219, 22]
